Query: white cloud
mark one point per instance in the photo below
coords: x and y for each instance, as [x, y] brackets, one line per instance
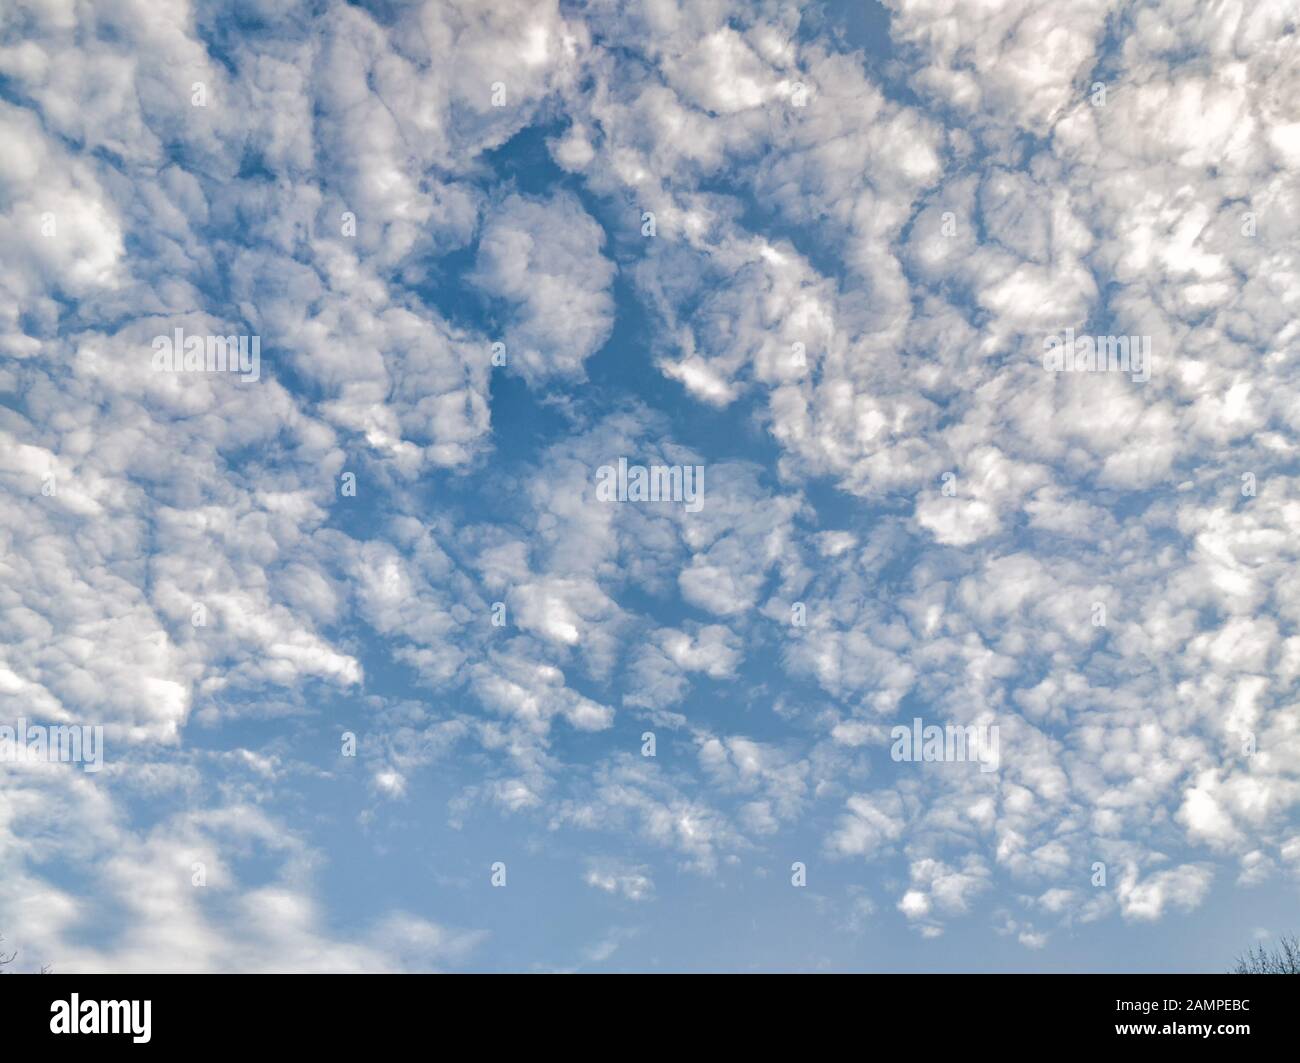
[543, 257]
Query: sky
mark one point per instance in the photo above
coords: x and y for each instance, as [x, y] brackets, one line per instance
[393, 671]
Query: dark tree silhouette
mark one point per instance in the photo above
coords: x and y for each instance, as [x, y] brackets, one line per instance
[1285, 959]
[7, 958]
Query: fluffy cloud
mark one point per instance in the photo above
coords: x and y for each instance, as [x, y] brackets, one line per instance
[839, 314]
[544, 260]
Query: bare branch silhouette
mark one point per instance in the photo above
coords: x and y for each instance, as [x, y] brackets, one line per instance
[1284, 959]
[8, 958]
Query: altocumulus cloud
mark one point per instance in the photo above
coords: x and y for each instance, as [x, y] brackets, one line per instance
[385, 685]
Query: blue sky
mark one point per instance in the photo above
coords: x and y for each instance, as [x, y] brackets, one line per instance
[813, 252]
